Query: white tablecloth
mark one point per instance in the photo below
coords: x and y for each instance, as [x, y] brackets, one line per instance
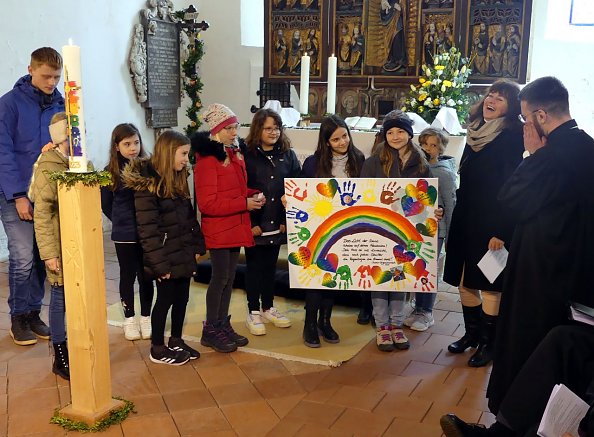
[305, 141]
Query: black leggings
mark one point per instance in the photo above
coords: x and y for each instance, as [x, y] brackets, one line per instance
[218, 294]
[131, 267]
[174, 294]
[261, 268]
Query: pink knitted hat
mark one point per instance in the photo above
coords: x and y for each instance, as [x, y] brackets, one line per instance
[217, 117]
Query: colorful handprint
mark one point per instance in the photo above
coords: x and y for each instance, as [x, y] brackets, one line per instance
[292, 190]
[299, 237]
[347, 194]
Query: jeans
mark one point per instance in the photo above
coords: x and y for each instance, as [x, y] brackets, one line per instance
[218, 293]
[388, 308]
[26, 271]
[57, 310]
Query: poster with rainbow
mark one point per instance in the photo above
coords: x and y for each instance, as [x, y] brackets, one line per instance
[362, 234]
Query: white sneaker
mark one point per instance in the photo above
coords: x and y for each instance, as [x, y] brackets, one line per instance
[131, 329]
[277, 318]
[254, 323]
[422, 322]
[145, 327]
[410, 319]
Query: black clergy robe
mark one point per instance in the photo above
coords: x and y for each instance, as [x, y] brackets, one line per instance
[551, 259]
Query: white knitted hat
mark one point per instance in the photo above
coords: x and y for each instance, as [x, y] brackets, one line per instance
[218, 116]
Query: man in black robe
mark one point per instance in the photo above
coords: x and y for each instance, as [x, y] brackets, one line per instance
[551, 258]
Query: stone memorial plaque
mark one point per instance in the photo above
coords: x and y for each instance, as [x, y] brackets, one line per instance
[161, 117]
[163, 68]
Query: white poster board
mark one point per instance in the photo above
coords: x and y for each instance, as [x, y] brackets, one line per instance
[362, 234]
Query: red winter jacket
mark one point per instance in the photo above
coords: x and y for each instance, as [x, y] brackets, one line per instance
[221, 191]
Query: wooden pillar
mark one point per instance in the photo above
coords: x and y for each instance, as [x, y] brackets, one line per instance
[86, 312]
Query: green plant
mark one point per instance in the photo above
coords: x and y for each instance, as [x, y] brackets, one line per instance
[101, 178]
[115, 417]
[442, 84]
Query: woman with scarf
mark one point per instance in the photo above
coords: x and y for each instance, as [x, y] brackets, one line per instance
[494, 148]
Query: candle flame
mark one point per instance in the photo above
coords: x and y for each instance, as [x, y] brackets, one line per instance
[69, 41]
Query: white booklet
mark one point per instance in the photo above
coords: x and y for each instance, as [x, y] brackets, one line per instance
[563, 413]
[582, 313]
[493, 263]
[360, 122]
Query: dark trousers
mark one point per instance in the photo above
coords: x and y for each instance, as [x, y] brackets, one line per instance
[261, 269]
[218, 294]
[565, 356]
[131, 267]
[316, 299]
[174, 294]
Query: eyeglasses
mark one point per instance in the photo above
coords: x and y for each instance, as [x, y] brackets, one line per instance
[270, 130]
[523, 119]
[231, 127]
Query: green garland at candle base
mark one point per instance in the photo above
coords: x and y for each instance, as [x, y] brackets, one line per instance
[89, 179]
[114, 417]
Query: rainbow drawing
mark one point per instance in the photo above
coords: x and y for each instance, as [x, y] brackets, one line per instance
[359, 219]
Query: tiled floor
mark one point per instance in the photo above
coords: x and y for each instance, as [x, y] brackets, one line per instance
[375, 394]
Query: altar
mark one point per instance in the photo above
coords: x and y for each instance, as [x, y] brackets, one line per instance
[305, 140]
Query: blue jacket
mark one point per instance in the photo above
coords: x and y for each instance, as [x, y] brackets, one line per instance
[25, 114]
[118, 206]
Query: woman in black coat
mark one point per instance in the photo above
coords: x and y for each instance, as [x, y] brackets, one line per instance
[269, 159]
[494, 148]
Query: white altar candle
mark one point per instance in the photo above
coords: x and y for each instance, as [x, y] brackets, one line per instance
[73, 95]
[331, 93]
[304, 86]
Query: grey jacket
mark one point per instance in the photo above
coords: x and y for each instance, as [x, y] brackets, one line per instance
[445, 172]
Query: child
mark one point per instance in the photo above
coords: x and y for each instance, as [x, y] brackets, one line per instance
[170, 237]
[222, 193]
[399, 157]
[335, 156]
[117, 203]
[434, 142]
[269, 160]
[43, 192]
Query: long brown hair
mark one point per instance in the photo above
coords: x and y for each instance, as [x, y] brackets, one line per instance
[323, 152]
[254, 137]
[172, 183]
[116, 160]
[508, 89]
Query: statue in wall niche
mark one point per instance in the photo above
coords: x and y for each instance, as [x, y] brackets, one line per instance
[137, 62]
[511, 58]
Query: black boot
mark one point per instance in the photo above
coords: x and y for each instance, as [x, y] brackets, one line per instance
[39, 328]
[311, 338]
[472, 320]
[214, 336]
[324, 326]
[453, 426]
[61, 365]
[239, 340]
[20, 331]
[364, 316]
[484, 352]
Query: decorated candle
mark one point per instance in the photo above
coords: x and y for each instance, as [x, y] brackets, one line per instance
[73, 95]
[331, 93]
[304, 86]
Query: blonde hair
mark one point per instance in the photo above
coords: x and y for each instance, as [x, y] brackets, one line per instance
[58, 116]
[432, 132]
[172, 183]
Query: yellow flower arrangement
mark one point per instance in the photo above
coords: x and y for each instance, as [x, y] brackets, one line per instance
[442, 84]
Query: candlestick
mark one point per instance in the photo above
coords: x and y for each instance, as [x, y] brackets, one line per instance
[304, 86]
[73, 95]
[331, 93]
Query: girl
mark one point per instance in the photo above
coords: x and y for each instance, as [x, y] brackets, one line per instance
[43, 192]
[336, 156]
[494, 147]
[269, 159]
[170, 237]
[399, 157]
[117, 203]
[434, 142]
[223, 200]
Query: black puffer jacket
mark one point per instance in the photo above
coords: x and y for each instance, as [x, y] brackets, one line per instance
[266, 172]
[169, 233]
[118, 206]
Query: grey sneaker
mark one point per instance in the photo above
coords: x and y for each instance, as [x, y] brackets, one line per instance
[422, 321]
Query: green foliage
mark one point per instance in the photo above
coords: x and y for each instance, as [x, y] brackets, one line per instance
[115, 417]
[101, 178]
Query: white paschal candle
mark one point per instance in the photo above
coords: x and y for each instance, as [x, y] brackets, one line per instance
[73, 95]
[331, 93]
[304, 86]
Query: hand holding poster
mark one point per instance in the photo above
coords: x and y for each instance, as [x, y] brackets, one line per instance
[362, 234]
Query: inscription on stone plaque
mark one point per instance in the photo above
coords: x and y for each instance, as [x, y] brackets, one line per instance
[161, 117]
[163, 66]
